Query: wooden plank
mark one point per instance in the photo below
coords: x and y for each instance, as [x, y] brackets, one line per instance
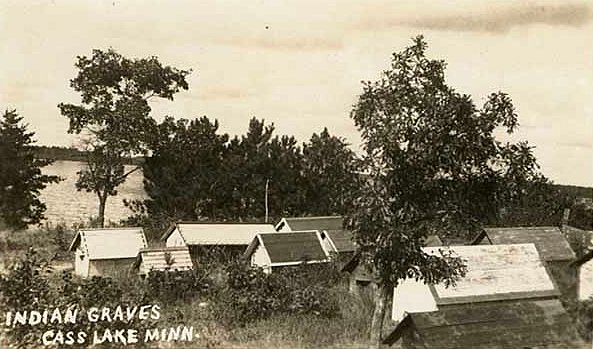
[487, 311]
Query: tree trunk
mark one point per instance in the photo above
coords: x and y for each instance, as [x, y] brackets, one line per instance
[101, 217]
[381, 293]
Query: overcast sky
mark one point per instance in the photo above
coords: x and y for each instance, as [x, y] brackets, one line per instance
[299, 64]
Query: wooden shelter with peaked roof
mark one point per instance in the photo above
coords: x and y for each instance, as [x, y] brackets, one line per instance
[273, 250]
[506, 299]
[106, 251]
[362, 275]
[222, 239]
[551, 243]
[161, 259]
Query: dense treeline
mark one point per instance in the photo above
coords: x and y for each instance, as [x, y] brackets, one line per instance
[195, 172]
[70, 154]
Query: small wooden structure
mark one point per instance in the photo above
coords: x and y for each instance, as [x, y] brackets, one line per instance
[506, 300]
[584, 270]
[551, 244]
[362, 276]
[106, 252]
[162, 258]
[225, 239]
[310, 223]
[272, 250]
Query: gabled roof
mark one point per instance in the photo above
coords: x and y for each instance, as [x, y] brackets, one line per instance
[290, 248]
[312, 223]
[432, 240]
[550, 242]
[155, 258]
[585, 237]
[109, 243]
[341, 240]
[218, 233]
[496, 272]
[541, 323]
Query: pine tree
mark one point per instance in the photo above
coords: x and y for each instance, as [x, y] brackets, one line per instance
[20, 174]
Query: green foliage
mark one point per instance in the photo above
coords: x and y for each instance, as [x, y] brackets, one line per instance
[172, 286]
[114, 110]
[29, 286]
[434, 166]
[195, 173]
[26, 288]
[330, 176]
[183, 176]
[20, 174]
[254, 160]
[250, 294]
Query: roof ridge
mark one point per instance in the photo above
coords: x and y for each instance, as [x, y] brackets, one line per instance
[312, 217]
[111, 228]
[222, 223]
[165, 248]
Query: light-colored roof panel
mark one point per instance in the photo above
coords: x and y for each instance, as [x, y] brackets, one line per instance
[515, 271]
[222, 234]
[113, 243]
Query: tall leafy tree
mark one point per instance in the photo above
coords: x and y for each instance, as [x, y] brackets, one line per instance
[184, 175]
[21, 179]
[115, 113]
[330, 173]
[434, 167]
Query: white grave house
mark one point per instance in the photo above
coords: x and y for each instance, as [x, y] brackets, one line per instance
[218, 240]
[106, 252]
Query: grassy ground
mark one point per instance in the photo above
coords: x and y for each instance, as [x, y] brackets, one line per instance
[51, 243]
[349, 329]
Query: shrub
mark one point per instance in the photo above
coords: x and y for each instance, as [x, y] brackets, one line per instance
[173, 286]
[315, 300]
[250, 294]
[26, 288]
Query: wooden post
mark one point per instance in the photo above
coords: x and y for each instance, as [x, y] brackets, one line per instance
[565, 217]
[267, 183]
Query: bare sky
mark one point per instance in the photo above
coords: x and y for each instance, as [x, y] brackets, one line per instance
[299, 63]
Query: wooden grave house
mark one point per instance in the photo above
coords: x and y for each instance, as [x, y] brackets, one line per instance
[507, 299]
[213, 240]
[106, 252]
[271, 251]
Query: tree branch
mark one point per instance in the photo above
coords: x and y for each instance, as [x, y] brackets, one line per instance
[128, 173]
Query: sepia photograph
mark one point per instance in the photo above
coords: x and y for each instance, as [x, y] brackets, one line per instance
[296, 174]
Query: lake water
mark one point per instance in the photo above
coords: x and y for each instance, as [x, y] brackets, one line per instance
[67, 205]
